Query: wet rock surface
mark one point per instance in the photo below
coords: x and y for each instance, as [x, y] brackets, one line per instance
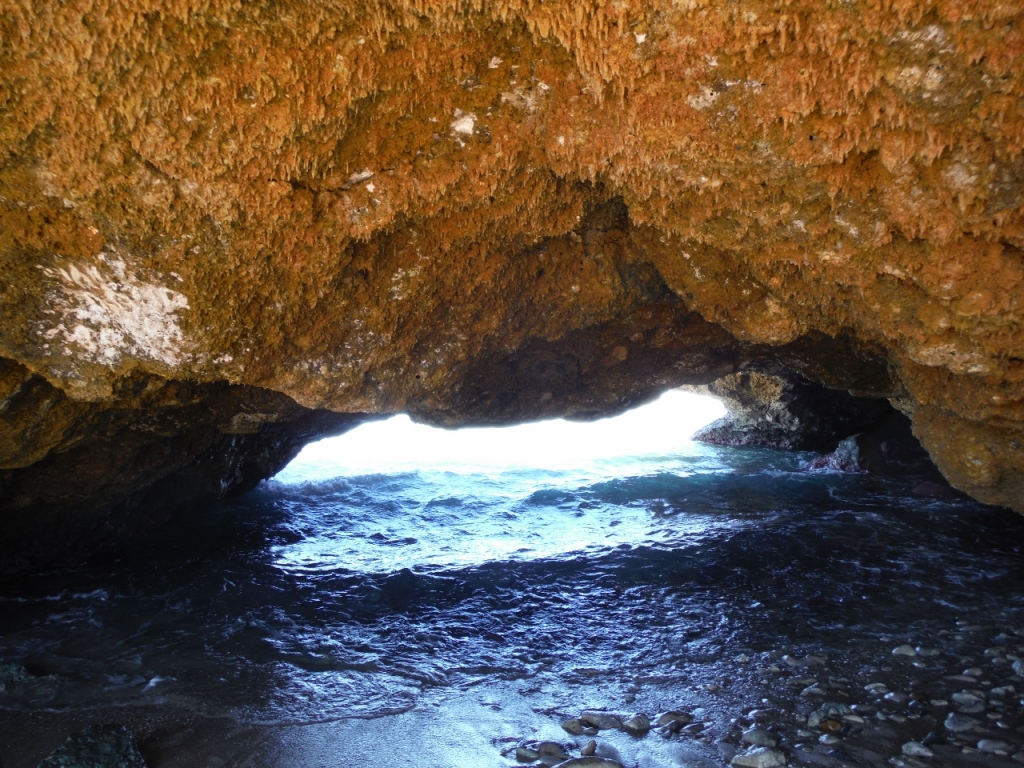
[98, 746]
[79, 479]
[772, 406]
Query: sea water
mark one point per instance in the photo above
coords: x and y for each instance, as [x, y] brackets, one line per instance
[672, 574]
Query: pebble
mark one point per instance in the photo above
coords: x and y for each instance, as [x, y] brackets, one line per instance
[907, 762]
[965, 698]
[916, 749]
[829, 711]
[960, 723]
[994, 746]
[574, 726]
[693, 728]
[589, 748]
[961, 679]
[638, 725]
[675, 716]
[552, 749]
[759, 737]
[526, 755]
[759, 757]
[800, 681]
[876, 688]
[828, 738]
[601, 720]
[974, 672]
[896, 697]
[904, 650]
[939, 703]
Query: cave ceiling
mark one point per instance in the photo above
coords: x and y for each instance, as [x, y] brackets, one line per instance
[485, 212]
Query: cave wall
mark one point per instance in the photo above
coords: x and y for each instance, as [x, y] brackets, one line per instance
[491, 211]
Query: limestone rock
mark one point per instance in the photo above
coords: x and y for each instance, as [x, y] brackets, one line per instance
[859, 453]
[772, 406]
[759, 757]
[630, 199]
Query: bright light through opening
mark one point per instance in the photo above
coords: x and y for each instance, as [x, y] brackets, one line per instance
[660, 428]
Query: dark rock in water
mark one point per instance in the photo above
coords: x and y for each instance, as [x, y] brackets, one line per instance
[890, 447]
[772, 406]
[859, 453]
[13, 673]
[98, 746]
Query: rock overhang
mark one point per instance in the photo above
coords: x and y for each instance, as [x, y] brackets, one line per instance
[505, 211]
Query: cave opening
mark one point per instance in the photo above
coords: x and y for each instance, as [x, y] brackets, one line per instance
[660, 427]
[395, 494]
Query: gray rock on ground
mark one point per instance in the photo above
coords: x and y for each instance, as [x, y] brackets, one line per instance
[759, 757]
[590, 762]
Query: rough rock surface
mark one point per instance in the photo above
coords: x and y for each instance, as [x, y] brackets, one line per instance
[491, 211]
[774, 407]
[74, 474]
[97, 746]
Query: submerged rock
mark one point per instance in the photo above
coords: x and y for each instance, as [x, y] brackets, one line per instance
[526, 754]
[675, 717]
[916, 749]
[960, 723]
[638, 725]
[590, 762]
[759, 757]
[829, 713]
[551, 749]
[858, 453]
[759, 737]
[994, 746]
[98, 746]
[575, 726]
[13, 673]
[601, 720]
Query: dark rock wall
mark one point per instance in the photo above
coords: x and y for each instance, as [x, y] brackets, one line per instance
[772, 406]
[77, 476]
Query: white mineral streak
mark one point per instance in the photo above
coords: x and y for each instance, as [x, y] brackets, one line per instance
[106, 313]
[956, 359]
[464, 124]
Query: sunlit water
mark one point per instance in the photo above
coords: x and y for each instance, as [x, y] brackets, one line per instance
[319, 597]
